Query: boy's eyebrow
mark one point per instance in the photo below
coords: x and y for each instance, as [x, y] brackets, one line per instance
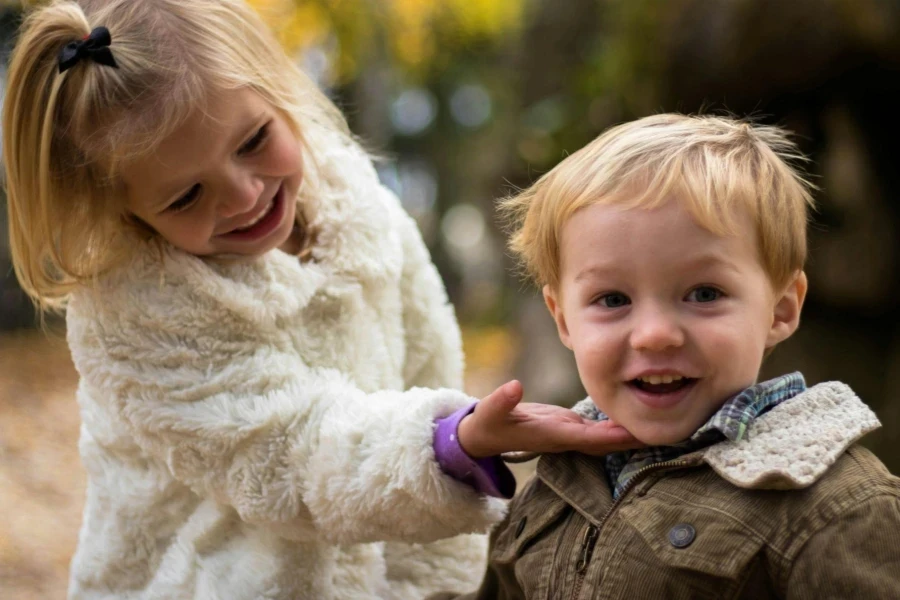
[705, 260]
[711, 259]
[595, 270]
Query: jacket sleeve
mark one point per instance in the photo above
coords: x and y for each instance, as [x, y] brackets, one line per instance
[856, 555]
[300, 450]
[433, 344]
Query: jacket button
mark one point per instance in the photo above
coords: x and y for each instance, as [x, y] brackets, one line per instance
[682, 535]
[521, 526]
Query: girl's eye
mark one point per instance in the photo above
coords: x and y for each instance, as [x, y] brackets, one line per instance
[704, 294]
[613, 300]
[186, 200]
[256, 141]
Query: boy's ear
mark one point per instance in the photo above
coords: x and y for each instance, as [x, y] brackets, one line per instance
[786, 317]
[556, 312]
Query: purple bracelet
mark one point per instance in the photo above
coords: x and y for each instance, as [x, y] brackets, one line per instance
[488, 475]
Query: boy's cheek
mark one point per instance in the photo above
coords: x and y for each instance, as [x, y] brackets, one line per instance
[604, 393]
[596, 368]
[591, 340]
[734, 352]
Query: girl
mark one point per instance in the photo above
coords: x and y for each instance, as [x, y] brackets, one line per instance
[263, 343]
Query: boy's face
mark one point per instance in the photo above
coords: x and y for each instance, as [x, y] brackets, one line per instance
[666, 319]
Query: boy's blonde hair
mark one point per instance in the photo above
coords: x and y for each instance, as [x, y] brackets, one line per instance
[716, 166]
[66, 135]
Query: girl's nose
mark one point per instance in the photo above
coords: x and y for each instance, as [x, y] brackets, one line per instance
[656, 330]
[240, 193]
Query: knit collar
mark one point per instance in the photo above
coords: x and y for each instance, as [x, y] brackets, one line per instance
[729, 422]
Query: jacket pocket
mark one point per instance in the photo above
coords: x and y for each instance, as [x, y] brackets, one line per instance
[525, 547]
[529, 519]
[700, 542]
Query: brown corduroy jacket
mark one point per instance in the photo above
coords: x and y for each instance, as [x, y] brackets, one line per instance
[794, 510]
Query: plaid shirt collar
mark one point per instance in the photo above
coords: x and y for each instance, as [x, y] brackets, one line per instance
[730, 422]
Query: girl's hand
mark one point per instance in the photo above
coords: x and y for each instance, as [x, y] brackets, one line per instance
[501, 424]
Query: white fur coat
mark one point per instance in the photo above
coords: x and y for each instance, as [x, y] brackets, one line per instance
[264, 429]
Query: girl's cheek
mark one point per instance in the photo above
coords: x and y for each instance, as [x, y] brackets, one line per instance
[287, 150]
[296, 156]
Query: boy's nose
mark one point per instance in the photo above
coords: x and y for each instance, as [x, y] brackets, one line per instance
[240, 194]
[655, 331]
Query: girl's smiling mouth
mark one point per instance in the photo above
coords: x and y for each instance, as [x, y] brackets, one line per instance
[263, 224]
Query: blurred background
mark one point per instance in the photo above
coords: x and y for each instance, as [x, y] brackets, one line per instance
[468, 100]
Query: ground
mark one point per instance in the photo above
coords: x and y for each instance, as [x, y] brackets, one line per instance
[41, 479]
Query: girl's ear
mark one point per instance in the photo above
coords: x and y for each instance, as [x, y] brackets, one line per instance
[786, 316]
[553, 305]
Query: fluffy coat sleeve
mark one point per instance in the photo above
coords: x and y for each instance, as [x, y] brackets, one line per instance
[238, 417]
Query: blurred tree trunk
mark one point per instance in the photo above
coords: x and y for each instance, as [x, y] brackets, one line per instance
[553, 48]
[15, 308]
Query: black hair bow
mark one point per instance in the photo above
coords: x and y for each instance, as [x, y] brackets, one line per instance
[95, 47]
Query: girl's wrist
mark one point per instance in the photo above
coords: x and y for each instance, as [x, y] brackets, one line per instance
[466, 442]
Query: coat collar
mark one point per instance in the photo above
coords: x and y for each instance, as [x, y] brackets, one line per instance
[795, 443]
[789, 447]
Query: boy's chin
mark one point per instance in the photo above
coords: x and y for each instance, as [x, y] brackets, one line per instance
[660, 434]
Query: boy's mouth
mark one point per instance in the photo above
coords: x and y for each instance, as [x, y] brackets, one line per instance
[662, 384]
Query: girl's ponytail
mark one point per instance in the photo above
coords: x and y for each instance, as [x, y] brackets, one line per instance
[43, 167]
[67, 133]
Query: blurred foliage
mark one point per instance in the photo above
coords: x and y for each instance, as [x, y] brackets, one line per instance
[418, 35]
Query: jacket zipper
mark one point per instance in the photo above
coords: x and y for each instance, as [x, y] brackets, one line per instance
[587, 549]
[593, 531]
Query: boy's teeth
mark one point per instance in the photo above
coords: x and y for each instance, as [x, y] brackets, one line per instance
[657, 379]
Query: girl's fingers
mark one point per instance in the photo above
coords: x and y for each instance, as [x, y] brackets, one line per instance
[502, 400]
[512, 390]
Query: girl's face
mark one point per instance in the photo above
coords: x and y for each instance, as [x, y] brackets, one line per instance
[225, 183]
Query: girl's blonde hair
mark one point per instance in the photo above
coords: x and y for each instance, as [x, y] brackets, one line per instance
[66, 135]
[716, 166]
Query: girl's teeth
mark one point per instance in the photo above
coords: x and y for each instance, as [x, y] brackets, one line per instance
[257, 219]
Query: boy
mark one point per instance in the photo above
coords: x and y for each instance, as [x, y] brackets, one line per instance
[671, 251]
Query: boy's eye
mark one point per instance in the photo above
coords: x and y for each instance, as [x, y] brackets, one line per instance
[704, 293]
[256, 141]
[613, 300]
[186, 200]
